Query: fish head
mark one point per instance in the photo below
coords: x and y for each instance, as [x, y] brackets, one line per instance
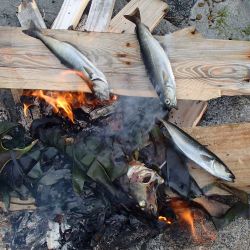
[101, 89]
[170, 97]
[143, 185]
[222, 171]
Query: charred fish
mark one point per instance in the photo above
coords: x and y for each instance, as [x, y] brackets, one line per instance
[196, 152]
[156, 62]
[74, 59]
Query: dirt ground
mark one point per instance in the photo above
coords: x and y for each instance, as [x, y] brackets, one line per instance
[222, 110]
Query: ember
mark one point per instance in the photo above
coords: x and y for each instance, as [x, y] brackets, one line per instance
[165, 219]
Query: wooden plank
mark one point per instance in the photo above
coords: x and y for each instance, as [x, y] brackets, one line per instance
[189, 112]
[27, 11]
[223, 70]
[70, 14]
[99, 15]
[232, 144]
[151, 13]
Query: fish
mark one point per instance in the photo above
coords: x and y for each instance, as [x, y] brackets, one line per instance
[197, 153]
[74, 59]
[142, 183]
[156, 62]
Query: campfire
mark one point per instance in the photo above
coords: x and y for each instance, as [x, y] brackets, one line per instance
[82, 169]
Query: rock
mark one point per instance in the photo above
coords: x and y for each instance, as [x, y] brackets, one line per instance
[164, 27]
[224, 19]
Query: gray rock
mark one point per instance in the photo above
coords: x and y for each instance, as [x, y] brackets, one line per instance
[228, 19]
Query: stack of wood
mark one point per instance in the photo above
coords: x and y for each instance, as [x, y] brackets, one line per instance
[204, 69]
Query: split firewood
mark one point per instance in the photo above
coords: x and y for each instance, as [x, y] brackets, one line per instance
[99, 15]
[70, 14]
[152, 13]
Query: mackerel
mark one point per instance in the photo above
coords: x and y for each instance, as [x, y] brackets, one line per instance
[74, 59]
[156, 62]
[197, 153]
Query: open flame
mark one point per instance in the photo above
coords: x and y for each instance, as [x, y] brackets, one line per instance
[186, 216]
[64, 102]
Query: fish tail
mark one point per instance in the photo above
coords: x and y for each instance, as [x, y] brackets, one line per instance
[134, 17]
[33, 30]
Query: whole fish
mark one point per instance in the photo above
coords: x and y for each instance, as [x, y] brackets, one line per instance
[196, 152]
[74, 59]
[156, 61]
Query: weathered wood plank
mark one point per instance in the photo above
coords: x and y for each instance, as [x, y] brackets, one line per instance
[223, 70]
[189, 113]
[99, 15]
[27, 11]
[151, 13]
[70, 14]
[232, 144]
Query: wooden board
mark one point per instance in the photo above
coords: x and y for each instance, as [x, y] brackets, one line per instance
[204, 68]
[232, 144]
[99, 15]
[189, 113]
[70, 14]
[27, 11]
[151, 13]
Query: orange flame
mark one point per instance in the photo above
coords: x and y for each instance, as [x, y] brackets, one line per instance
[26, 108]
[165, 219]
[185, 215]
[64, 102]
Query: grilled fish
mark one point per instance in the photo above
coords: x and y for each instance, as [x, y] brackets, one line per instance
[196, 152]
[74, 59]
[156, 61]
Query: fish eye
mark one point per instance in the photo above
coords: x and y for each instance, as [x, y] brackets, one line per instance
[167, 101]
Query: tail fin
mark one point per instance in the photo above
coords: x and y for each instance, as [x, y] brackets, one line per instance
[33, 30]
[134, 17]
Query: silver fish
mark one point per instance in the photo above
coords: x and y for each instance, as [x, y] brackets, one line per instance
[196, 152]
[74, 59]
[156, 61]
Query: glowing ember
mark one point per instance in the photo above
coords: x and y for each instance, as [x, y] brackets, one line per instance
[165, 219]
[186, 216]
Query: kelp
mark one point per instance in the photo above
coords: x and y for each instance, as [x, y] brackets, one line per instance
[94, 157]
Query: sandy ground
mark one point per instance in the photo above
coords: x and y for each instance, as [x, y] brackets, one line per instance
[223, 110]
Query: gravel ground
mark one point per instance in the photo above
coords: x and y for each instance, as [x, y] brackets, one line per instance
[222, 110]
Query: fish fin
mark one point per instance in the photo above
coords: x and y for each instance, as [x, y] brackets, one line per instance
[33, 30]
[134, 17]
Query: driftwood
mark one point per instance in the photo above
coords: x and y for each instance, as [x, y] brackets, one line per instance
[223, 70]
[99, 15]
[70, 14]
[151, 13]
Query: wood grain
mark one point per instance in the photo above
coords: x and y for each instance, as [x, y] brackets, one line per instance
[232, 144]
[70, 14]
[151, 13]
[27, 11]
[223, 70]
[99, 15]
